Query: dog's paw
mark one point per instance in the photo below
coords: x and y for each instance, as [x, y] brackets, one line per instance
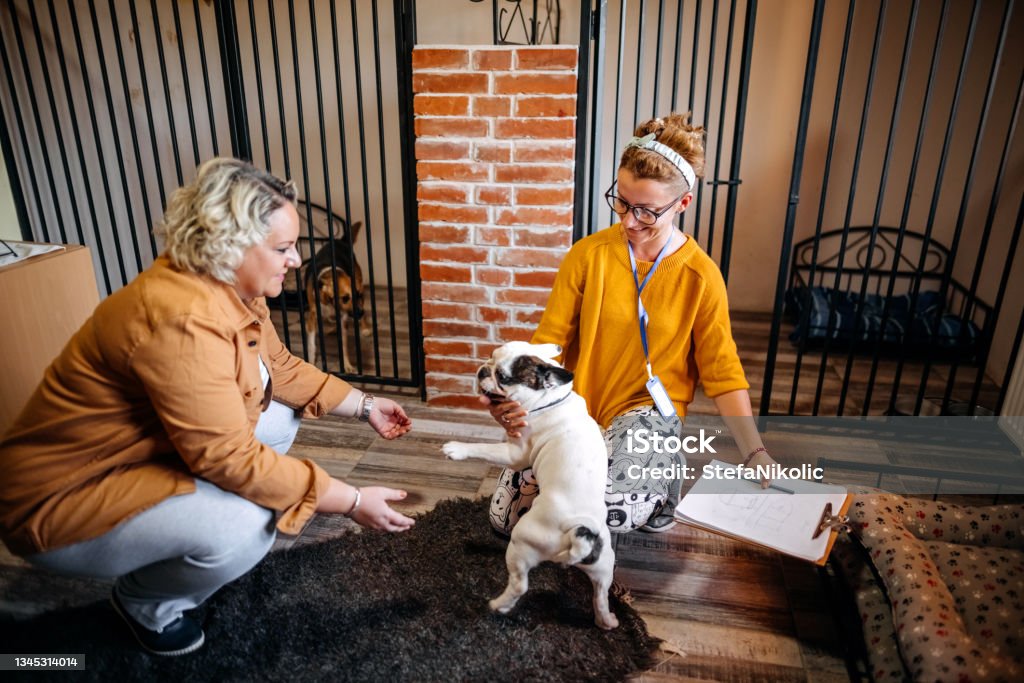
[606, 621]
[456, 450]
[497, 605]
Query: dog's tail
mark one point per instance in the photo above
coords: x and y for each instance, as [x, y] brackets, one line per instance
[584, 540]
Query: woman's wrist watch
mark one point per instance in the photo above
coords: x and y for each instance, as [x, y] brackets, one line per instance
[366, 407]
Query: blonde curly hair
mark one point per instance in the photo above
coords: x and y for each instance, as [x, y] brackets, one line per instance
[212, 221]
[675, 131]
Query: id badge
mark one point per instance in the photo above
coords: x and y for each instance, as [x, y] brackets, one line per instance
[661, 400]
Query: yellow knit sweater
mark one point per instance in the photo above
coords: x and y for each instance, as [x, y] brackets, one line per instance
[592, 314]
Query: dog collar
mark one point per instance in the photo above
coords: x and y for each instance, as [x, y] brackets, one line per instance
[552, 404]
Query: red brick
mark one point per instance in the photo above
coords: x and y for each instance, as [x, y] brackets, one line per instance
[493, 314]
[432, 272]
[432, 58]
[452, 366]
[500, 153]
[436, 192]
[435, 310]
[453, 401]
[441, 105]
[535, 278]
[466, 294]
[453, 254]
[533, 258]
[544, 196]
[546, 58]
[447, 234]
[545, 238]
[470, 83]
[529, 84]
[494, 277]
[485, 349]
[522, 317]
[522, 297]
[455, 214]
[492, 60]
[443, 347]
[510, 333]
[518, 173]
[546, 106]
[441, 149]
[531, 151]
[466, 385]
[549, 129]
[431, 126]
[493, 106]
[451, 170]
[447, 330]
[494, 195]
[529, 215]
[493, 237]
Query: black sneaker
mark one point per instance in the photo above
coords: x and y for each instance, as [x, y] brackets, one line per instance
[180, 637]
[659, 524]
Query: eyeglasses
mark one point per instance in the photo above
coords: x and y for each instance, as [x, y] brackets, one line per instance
[641, 214]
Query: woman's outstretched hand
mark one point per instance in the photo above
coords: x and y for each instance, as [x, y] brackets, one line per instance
[388, 418]
[375, 513]
[372, 510]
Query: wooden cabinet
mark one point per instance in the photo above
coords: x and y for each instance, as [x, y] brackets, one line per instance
[43, 301]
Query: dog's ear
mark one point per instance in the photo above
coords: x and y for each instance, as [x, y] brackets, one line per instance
[353, 232]
[547, 351]
[553, 376]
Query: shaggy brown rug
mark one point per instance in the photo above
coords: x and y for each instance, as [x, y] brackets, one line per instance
[371, 606]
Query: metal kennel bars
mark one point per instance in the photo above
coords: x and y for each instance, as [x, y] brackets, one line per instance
[908, 127]
[108, 105]
[644, 59]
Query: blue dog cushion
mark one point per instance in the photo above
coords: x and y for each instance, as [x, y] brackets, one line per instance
[927, 324]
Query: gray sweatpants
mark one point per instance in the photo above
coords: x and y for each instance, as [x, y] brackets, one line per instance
[178, 553]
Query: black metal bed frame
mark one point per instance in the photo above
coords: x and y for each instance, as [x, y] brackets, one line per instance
[1002, 15]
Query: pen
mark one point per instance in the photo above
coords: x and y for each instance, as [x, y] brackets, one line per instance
[779, 487]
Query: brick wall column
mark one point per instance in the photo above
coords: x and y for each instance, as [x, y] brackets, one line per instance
[495, 151]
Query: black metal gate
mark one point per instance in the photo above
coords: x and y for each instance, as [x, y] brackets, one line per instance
[663, 56]
[108, 105]
[908, 124]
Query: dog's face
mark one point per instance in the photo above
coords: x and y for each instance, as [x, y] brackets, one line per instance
[350, 292]
[522, 372]
[340, 287]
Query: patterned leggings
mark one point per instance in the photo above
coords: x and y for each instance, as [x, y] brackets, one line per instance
[631, 500]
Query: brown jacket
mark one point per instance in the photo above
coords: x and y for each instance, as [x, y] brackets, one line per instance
[160, 385]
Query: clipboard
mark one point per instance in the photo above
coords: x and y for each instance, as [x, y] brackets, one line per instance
[801, 519]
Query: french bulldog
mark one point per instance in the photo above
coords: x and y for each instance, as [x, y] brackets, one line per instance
[566, 450]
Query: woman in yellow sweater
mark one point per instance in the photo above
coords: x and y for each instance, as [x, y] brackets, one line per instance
[625, 354]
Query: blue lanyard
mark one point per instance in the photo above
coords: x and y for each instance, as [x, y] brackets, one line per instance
[641, 311]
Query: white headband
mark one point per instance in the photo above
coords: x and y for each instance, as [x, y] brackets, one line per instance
[648, 142]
